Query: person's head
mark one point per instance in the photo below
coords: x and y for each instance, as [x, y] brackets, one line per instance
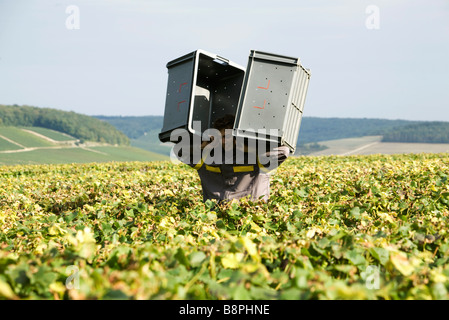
[225, 124]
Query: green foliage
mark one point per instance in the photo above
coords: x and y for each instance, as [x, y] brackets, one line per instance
[77, 125]
[139, 230]
[315, 129]
[427, 132]
[305, 149]
[135, 126]
[150, 142]
[142, 130]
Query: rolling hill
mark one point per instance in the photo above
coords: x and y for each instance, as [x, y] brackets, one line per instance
[80, 126]
[369, 145]
[32, 135]
[317, 136]
[35, 145]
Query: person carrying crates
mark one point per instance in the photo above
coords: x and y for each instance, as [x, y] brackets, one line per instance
[238, 171]
[242, 111]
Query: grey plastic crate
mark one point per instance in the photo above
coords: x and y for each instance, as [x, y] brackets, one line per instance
[201, 87]
[272, 99]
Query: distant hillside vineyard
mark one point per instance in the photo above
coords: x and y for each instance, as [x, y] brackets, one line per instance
[80, 126]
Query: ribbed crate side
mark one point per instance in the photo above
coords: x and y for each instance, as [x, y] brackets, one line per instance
[296, 120]
[305, 88]
[287, 121]
[288, 130]
[298, 85]
[298, 124]
[302, 90]
[292, 125]
[294, 116]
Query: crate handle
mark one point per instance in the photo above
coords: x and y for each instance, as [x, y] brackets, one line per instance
[221, 60]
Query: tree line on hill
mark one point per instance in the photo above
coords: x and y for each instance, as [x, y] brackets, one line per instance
[312, 132]
[314, 129]
[82, 127]
[426, 132]
[120, 129]
[134, 126]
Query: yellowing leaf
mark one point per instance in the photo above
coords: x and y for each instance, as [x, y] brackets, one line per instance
[6, 291]
[231, 260]
[255, 227]
[40, 248]
[249, 246]
[310, 233]
[164, 223]
[438, 276]
[250, 267]
[56, 230]
[401, 263]
[84, 243]
[385, 216]
[57, 287]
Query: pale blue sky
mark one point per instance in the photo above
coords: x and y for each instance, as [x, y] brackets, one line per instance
[115, 64]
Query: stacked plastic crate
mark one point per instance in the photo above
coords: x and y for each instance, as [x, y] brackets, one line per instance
[267, 98]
